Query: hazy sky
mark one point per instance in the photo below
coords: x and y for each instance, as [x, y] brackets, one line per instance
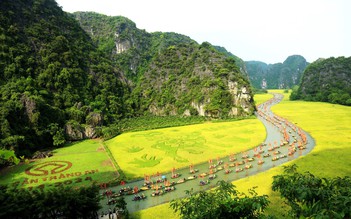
[264, 30]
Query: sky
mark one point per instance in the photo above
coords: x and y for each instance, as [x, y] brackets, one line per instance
[262, 30]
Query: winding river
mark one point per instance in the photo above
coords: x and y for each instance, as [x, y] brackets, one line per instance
[284, 142]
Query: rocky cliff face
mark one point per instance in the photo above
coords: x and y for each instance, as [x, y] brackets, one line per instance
[121, 45]
[181, 82]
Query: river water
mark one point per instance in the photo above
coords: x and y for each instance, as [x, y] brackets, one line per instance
[278, 131]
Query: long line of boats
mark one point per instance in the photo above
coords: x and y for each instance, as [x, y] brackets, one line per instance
[292, 138]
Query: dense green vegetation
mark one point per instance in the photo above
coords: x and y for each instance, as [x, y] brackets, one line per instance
[326, 80]
[64, 202]
[307, 195]
[276, 76]
[129, 47]
[170, 73]
[222, 202]
[239, 62]
[313, 197]
[51, 75]
[59, 83]
[187, 77]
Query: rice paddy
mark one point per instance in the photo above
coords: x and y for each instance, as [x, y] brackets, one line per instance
[160, 150]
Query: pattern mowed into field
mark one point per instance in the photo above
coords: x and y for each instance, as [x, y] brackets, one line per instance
[75, 164]
[149, 152]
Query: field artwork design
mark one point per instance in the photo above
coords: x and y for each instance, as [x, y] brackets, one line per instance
[77, 164]
[161, 150]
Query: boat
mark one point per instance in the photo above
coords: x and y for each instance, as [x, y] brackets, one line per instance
[248, 166]
[144, 188]
[266, 155]
[202, 182]
[169, 189]
[227, 171]
[219, 168]
[202, 174]
[251, 159]
[212, 176]
[176, 175]
[245, 156]
[192, 177]
[212, 166]
[232, 165]
[260, 162]
[240, 163]
[275, 158]
[193, 171]
[283, 156]
[139, 197]
[232, 159]
[157, 193]
[276, 152]
[239, 170]
[181, 181]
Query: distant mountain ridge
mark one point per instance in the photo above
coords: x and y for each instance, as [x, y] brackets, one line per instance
[276, 76]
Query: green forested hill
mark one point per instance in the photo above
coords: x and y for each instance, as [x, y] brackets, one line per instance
[238, 61]
[279, 75]
[326, 80]
[170, 73]
[194, 79]
[52, 77]
[65, 80]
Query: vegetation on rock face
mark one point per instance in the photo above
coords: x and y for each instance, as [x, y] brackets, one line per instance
[327, 80]
[238, 61]
[194, 79]
[130, 48]
[51, 75]
[170, 73]
[279, 75]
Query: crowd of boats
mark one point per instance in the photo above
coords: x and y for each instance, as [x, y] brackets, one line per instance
[292, 139]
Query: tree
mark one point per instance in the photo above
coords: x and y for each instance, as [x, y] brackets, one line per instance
[222, 202]
[313, 197]
[121, 206]
[8, 157]
[66, 202]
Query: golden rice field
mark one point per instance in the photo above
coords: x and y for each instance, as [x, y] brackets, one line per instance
[329, 125]
[149, 152]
